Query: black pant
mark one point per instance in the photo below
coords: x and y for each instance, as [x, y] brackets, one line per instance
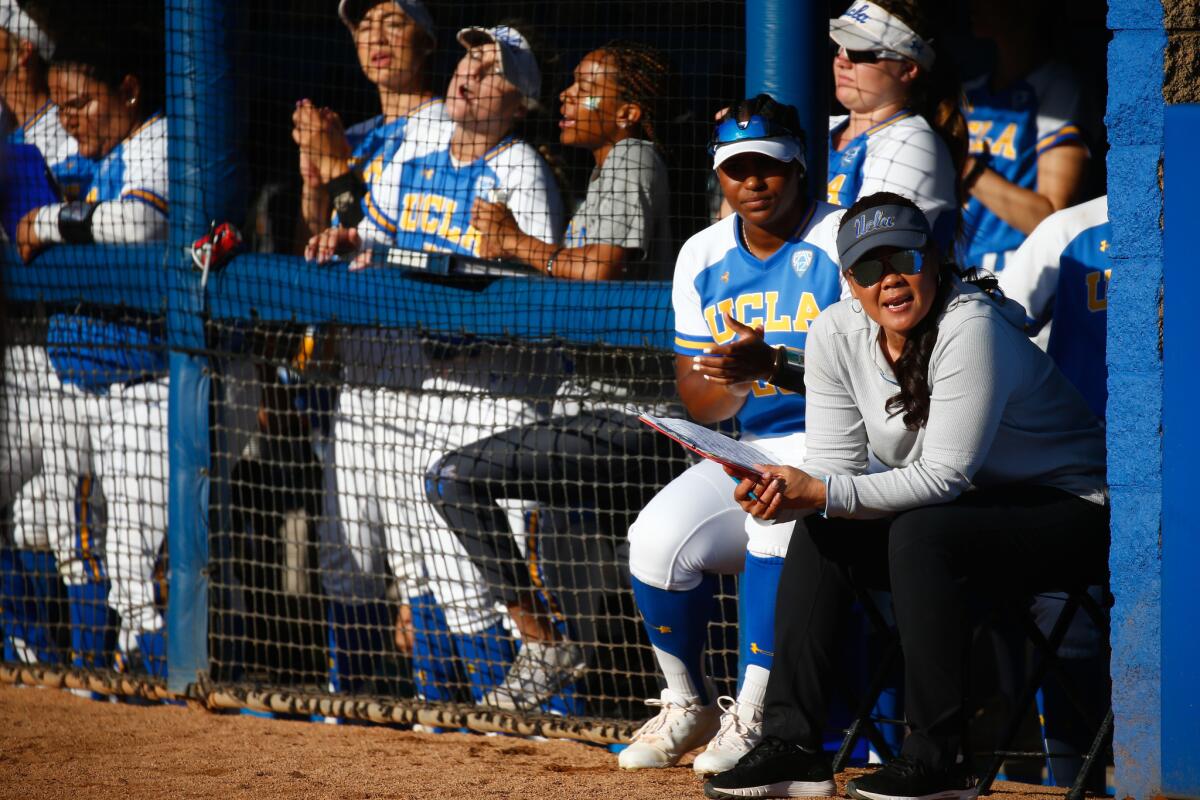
[603, 463]
[985, 546]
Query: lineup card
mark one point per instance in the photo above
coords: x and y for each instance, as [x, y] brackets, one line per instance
[739, 456]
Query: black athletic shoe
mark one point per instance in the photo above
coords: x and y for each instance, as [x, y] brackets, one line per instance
[907, 779]
[774, 768]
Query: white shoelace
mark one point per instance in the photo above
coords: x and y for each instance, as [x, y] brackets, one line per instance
[731, 721]
[653, 728]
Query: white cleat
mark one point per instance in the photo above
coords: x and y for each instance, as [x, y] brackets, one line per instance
[741, 729]
[540, 671]
[679, 728]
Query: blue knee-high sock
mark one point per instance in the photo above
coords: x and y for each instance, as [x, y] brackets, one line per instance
[677, 623]
[757, 586]
[357, 633]
[41, 571]
[153, 645]
[435, 670]
[91, 624]
[485, 658]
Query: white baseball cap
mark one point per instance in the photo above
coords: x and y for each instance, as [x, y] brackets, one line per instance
[22, 26]
[517, 62]
[866, 26]
[352, 12]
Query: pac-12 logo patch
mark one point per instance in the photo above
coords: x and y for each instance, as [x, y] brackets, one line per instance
[801, 261]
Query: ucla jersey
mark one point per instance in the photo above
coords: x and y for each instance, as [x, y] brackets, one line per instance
[92, 352]
[1015, 126]
[431, 210]
[901, 154]
[71, 171]
[375, 142]
[784, 294]
[1060, 274]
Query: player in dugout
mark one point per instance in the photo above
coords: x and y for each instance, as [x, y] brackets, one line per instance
[590, 453]
[458, 393]
[29, 574]
[995, 487]
[109, 92]
[1029, 153]
[746, 291]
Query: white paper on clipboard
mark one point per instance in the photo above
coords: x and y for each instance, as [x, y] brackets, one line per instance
[741, 456]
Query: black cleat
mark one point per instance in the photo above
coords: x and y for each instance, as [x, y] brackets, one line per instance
[907, 779]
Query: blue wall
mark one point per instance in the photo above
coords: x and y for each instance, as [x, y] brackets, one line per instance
[1135, 132]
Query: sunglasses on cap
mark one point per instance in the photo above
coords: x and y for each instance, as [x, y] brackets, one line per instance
[869, 56]
[731, 130]
[867, 272]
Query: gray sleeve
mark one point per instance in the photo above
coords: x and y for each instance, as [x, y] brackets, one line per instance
[835, 442]
[973, 377]
[620, 204]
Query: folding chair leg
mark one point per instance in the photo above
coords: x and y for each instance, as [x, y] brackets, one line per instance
[862, 722]
[1033, 681]
[1089, 763]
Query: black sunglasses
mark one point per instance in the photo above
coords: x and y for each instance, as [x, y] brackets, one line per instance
[869, 56]
[868, 272]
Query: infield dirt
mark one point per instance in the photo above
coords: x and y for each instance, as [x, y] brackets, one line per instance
[56, 745]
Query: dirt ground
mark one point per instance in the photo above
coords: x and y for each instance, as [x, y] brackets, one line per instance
[56, 745]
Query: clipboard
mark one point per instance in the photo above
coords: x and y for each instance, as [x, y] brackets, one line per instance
[738, 456]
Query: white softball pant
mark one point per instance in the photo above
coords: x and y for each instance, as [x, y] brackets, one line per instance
[693, 526]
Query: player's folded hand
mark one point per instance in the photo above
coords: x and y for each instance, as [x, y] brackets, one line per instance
[746, 359]
[332, 242]
[321, 137]
[497, 227]
[777, 488]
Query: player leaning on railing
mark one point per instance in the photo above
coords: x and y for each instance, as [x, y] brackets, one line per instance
[592, 451]
[745, 292]
[384, 444]
[29, 571]
[112, 365]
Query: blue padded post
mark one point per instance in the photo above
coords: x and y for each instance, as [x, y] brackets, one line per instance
[787, 56]
[1181, 439]
[204, 186]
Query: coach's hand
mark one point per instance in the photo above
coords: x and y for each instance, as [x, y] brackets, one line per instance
[738, 364]
[497, 227]
[405, 633]
[778, 488]
[28, 243]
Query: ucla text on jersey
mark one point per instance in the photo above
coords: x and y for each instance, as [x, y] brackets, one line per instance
[783, 294]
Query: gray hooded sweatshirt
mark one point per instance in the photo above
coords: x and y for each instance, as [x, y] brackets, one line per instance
[1000, 413]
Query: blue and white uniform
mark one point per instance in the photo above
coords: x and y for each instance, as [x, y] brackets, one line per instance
[71, 171]
[901, 154]
[396, 417]
[693, 530]
[430, 208]
[1060, 275]
[114, 406]
[1014, 127]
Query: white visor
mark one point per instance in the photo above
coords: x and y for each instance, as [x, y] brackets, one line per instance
[866, 26]
[781, 148]
[22, 26]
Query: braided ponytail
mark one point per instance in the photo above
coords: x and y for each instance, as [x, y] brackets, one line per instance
[643, 75]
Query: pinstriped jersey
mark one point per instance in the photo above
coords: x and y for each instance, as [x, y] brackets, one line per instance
[375, 142]
[95, 353]
[1060, 275]
[61, 152]
[1015, 126]
[784, 293]
[901, 154]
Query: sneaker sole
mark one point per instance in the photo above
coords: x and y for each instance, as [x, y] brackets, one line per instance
[949, 794]
[780, 789]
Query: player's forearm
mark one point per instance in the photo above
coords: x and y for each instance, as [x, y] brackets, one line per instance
[595, 262]
[708, 402]
[1021, 208]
